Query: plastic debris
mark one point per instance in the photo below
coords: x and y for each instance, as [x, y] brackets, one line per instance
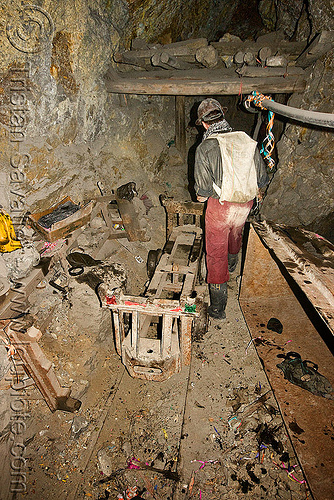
[234, 423]
[129, 493]
[252, 340]
[190, 308]
[204, 462]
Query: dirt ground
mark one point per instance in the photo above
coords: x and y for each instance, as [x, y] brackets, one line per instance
[212, 431]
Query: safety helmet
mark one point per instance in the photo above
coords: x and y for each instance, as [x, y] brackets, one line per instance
[209, 110]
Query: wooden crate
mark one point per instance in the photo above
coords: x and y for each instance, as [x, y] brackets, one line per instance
[65, 227]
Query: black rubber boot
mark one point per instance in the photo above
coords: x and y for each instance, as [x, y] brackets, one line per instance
[232, 262]
[218, 300]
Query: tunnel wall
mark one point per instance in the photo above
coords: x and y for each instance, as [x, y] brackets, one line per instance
[301, 191]
[65, 133]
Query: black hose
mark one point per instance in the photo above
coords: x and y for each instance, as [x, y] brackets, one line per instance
[313, 117]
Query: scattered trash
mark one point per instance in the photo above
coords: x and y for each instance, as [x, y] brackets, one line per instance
[218, 438]
[59, 281]
[139, 465]
[265, 434]
[252, 340]
[79, 425]
[290, 470]
[234, 423]
[258, 388]
[147, 202]
[107, 278]
[190, 308]
[49, 249]
[41, 284]
[80, 259]
[204, 462]
[129, 493]
[305, 374]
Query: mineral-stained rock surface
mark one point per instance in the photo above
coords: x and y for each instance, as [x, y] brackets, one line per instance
[64, 133]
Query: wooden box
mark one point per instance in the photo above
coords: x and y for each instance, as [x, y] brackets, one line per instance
[64, 227]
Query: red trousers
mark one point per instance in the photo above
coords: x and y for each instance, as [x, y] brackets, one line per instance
[223, 235]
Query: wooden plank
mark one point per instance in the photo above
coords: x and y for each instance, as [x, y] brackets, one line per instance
[167, 61]
[322, 43]
[134, 332]
[188, 287]
[10, 308]
[185, 47]
[185, 339]
[139, 58]
[269, 72]
[130, 220]
[283, 47]
[180, 125]
[202, 82]
[167, 322]
[117, 330]
[313, 276]
[187, 207]
[208, 56]
[172, 287]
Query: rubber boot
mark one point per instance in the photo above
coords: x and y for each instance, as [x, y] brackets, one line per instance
[232, 262]
[218, 300]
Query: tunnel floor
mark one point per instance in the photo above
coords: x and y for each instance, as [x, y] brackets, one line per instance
[212, 431]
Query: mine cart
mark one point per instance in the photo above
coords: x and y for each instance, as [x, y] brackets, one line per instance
[153, 332]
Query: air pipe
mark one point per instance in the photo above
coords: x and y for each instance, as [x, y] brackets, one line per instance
[312, 117]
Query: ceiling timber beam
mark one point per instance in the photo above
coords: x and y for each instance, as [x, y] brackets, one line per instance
[202, 82]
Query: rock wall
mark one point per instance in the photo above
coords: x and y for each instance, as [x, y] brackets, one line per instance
[301, 191]
[61, 132]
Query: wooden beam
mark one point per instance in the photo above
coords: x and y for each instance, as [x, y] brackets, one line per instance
[180, 125]
[258, 71]
[282, 47]
[166, 61]
[185, 47]
[142, 58]
[320, 45]
[202, 82]
[208, 56]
